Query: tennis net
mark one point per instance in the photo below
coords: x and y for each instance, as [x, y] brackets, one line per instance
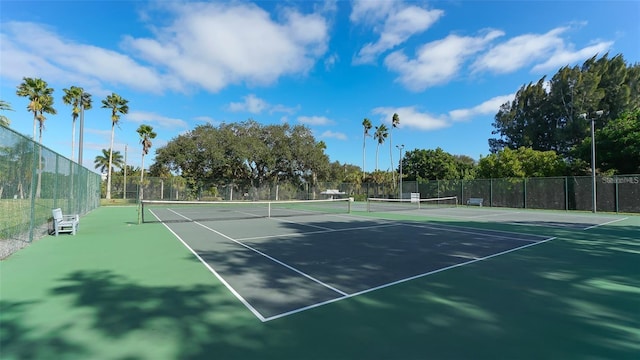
[185, 211]
[382, 205]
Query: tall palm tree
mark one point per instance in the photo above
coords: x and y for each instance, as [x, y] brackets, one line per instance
[40, 97]
[102, 161]
[5, 106]
[37, 91]
[380, 135]
[80, 100]
[117, 104]
[366, 123]
[395, 121]
[146, 134]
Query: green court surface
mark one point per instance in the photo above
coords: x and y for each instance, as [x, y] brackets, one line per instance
[463, 283]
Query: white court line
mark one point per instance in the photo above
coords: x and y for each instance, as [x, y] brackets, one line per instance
[491, 215]
[404, 280]
[344, 295]
[472, 232]
[303, 224]
[607, 223]
[267, 256]
[253, 310]
[318, 232]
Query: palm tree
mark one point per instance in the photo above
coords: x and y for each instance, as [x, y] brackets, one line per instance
[5, 106]
[366, 123]
[380, 135]
[40, 101]
[37, 91]
[117, 104]
[395, 121]
[102, 161]
[80, 100]
[146, 134]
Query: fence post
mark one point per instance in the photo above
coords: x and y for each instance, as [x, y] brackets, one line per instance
[566, 193]
[490, 192]
[524, 188]
[615, 181]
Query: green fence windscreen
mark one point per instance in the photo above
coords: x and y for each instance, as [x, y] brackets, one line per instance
[33, 181]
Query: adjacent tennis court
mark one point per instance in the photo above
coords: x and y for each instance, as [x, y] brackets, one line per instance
[327, 279]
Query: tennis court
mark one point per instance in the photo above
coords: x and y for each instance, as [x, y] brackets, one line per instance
[276, 282]
[278, 266]
[449, 208]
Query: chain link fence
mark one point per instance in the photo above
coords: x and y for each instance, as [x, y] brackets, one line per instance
[33, 181]
[620, 193]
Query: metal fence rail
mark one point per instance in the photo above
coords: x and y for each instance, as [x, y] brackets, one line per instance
[620, 193]
[33, 181]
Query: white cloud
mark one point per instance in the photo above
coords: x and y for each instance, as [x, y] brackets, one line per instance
[205, 45]
[315, 120]
[333, 135]
[520, 51]
[256, 105]
[251, 104]
[364, 11]
[411, 118]
[528, 49]
[437, 62]
[398, 27]
[153, 118]
[208, 119]
[331, 61]
[563, 57]
[32, 50]
[213, 45]
[489, 107]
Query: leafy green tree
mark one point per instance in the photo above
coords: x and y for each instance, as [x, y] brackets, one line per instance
[117, 105]
[80, 101]
[146, 134]
[466, 166]
[5, 106]
[523, 162]
[380, 135]
[159, 170]
[366, 124]
[435, 164]
[246, 153]
[617, 145]
[547, 115]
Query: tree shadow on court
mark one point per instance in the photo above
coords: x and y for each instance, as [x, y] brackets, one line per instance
[20, 339]
[190, 318]
[574, 297]
[571, 297]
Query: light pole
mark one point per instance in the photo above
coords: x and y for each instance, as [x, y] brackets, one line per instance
[593, 157]
[400, 147]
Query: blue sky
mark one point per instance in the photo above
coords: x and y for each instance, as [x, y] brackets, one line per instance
[444, 66]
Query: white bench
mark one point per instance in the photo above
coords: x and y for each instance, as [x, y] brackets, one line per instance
[64, 223]
[474, 201]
